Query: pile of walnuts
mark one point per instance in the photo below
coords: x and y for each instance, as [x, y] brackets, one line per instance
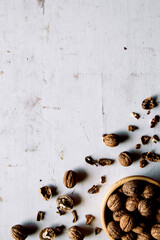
[134, 211]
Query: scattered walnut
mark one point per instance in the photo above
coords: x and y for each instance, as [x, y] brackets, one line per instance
[138, 146]
[126, 222]
[97, 230]
[111, 140]
[145, 140]
[105, 161]
[75, 233]
[143, 163]
[91, 161]
[152, 157]
[145, 207]
[103, 179]
[125, 159]
[131, 188]
[135, 115]
[154, 121]
[18, 232]
[94, 189]
[114, 230]
[155, 138]
[40, 216]
[70, 179]
[59, 229]
[148, 103]
[47, 233]
[114, 202]
[46, 192]
[75, 216]
[132, 128]
[155, 231]
[64, 203]
[132, 203]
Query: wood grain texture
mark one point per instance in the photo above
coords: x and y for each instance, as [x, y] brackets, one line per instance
[65, 79]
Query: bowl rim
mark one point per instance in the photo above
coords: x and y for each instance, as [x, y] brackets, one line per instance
[113, 188]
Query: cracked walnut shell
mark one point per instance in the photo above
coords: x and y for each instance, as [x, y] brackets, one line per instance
[46, 192]
[70, 179]
[64, 203]
[18, 232]
[47, 233]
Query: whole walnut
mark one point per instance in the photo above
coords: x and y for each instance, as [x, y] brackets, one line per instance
[149, 191]
[155, 231]
[118, 214]
[114, 230]
[158, 215]
[144, 236]
[131, 188]
[145, 208]
[70, 179]
[18, 232]
[111, 140]
[127, 222]
[114, 202]
[47, 233]
[75, 233]
[132, 203]
[140, 228]
[125, 159]
[128, 236]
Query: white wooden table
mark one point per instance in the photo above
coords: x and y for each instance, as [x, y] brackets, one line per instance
[65, 79]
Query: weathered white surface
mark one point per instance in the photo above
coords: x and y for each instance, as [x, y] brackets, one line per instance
[66, 79]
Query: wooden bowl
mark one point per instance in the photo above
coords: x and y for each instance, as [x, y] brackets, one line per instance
[113, 188]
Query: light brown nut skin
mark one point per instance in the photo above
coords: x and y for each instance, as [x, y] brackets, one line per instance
[131, 188]
[114, 202]
[149, 191]
[144, 236]
[47, 233]
[145, 208]
[132, 203]
[74, 233]
[70, 179]
[126, 222]
[128, 236]
[114, 230]
[125, 159]
[139, 229]
[111, 140]
[18, 232]
[155, 231]
[118, 214]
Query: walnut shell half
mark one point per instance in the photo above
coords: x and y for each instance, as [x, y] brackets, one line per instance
[47, 233]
